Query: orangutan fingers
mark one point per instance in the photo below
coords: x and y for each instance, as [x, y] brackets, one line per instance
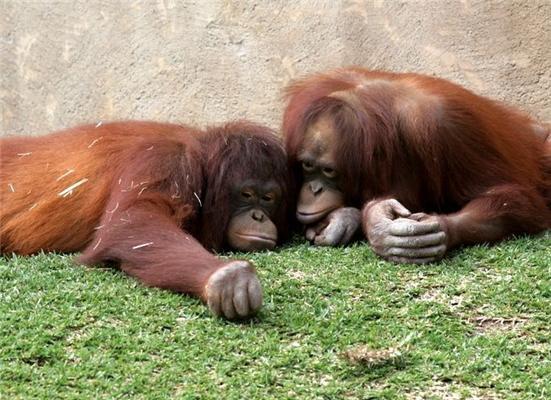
[343, 224]
[331, 236]
[348, 235]
[227, 302]
[241, 298]
[234, 291]
[420, 216]
[254, 290]
[316, 229]
[405, 260]
[350, 232]
[310, 234]
[423, 252]
[431, 239]
[397, 208]
[214, 302]
[408, 227]
[385, 209]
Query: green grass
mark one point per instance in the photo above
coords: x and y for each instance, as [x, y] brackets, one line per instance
[474, 326]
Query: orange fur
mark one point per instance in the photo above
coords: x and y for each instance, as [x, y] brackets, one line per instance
[146, 196]
[35, 170]
[431, 144]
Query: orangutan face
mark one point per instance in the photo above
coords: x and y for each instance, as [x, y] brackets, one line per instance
[320, 193]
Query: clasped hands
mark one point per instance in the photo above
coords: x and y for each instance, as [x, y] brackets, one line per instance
[392, 230]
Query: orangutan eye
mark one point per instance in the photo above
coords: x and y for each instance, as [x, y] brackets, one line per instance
[246, 194]
[268, 197]
[329, 172]
[307, 166]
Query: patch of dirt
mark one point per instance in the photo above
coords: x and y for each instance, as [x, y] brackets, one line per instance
[484, 324]
[298, 275]
[438, 296]
[367, 356]
[450, 391]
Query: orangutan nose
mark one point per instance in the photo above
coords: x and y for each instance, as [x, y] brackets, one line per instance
[257, 215]
[316, 187]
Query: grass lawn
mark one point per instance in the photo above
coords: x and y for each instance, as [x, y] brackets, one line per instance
[477, 325]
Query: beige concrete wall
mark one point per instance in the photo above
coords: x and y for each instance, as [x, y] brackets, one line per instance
[205, 61]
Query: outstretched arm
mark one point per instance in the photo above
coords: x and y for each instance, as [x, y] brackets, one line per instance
[400, 236]
[144, 237]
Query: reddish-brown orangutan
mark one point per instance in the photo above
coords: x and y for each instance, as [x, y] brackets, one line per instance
[151, 198]
[431, 165]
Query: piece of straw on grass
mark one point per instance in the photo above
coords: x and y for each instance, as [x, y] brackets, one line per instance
[365, 355]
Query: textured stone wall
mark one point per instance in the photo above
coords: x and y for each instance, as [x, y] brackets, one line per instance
[206, 61]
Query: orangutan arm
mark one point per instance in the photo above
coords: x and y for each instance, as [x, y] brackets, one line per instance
[397, 235]
[145, 239]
